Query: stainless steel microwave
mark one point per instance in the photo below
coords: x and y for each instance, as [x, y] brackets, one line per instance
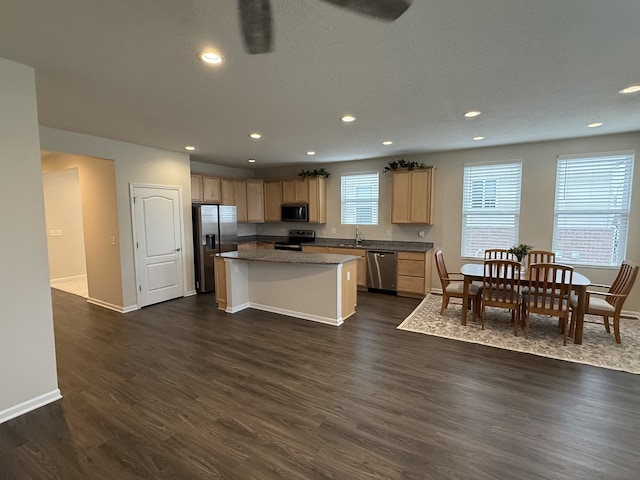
[294, 212]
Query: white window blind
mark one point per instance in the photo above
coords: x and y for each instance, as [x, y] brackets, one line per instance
[359, 196]
[490, 207]
[593, 198]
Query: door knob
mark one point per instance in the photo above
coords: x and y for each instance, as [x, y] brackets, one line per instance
[178, 249]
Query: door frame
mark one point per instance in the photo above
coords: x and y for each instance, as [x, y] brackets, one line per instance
[177, 188]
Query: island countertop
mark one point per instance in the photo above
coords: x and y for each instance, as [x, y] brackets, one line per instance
[286, 256]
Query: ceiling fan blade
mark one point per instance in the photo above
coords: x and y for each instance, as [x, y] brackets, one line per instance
[255, 20]
[388, 10]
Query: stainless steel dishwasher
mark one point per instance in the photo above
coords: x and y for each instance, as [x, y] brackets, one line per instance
[382, 269]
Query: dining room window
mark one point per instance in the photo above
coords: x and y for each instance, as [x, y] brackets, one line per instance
[359, 199]
[592, 203]
[490, 207]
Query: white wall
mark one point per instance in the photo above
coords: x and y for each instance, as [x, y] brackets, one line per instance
[28, 375]
[63, 212]
[133, 164]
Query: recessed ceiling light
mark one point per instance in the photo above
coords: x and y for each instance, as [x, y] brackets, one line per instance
[348, 118]
[478, 138]
[252, 160]
[387, 142]
[631, 89]
[472, 113]
[311, 153]
[190, 148]
[211, 58]
[595, 124]
[255, 135]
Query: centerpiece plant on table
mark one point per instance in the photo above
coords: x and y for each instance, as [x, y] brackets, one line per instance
[520, 251]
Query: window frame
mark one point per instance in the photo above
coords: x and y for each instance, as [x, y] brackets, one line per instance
[373, 202]
[505, 202]
[597, 219]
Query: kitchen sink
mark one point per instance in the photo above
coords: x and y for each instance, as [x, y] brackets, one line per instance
[351, 245]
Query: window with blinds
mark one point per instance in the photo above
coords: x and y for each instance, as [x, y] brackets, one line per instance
[591, 215]
[359, 199]
[490, 207]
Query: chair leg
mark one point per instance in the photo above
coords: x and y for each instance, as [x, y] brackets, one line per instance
[445, 303]
[565, 327]
[616, 327]
[482, 316]
[606, 323]
[516, 311]
[572, 325]
[525, 320]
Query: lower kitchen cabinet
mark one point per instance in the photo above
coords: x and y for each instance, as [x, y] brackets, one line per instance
[361, 281]
[220, 279]
[414, 274]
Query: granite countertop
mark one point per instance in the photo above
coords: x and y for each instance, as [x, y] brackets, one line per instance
[402, 246]
[287, 256]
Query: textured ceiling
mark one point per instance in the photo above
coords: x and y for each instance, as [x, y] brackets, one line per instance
[127, 70]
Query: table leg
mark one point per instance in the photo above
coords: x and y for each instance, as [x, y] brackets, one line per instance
[465, 300]
[581, 293]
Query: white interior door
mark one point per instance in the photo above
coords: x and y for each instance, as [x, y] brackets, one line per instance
[158, 237]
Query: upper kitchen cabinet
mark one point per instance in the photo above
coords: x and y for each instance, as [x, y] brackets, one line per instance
[255, 201]
[211, 190]
[272, 200]
[226, 191]
[412, 198]
[196, 188]
[240, 199]
[295, 190]
[317, 199]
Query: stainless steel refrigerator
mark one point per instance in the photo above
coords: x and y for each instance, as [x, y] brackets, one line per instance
[215, 230]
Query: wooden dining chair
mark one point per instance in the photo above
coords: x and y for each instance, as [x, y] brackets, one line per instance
[498, 253]
[540, 256]
[549, 287]
[608, 304]
[453, 286]
[501, 288]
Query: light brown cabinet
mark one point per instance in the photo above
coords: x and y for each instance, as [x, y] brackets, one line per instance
[412, 197]
[295, 190]
[211, 189]
[259, 201]
[240, 199]
[196, 188]
[317, 198]
[414, 274]
[255, 201]
[220, 279]
[272, 200]
[226, 191]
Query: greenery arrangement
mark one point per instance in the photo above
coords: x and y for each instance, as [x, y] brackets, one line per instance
[520, 251]
[396, 164]
[321, 172]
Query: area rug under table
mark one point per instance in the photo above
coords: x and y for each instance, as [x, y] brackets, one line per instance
[598, 348]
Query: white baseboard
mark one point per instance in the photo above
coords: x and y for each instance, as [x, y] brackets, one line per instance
[29, 405]
[63, 280]
[189, 293]
[296, 314]
[111, 306]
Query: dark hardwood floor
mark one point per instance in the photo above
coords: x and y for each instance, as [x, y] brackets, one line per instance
[182, 391]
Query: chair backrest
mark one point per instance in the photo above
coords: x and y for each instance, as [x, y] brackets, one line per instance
[540, 256]
[442, 269]
[549, 288]
[623, 283]
[498, 253]
[501, 282]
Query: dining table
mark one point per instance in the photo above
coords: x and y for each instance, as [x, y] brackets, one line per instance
[475, 272]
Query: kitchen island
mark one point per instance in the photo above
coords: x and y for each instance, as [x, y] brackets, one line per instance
[313, 286]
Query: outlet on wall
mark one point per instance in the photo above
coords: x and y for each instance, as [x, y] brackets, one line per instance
[388, 233]
[333, 231]
[421, 233]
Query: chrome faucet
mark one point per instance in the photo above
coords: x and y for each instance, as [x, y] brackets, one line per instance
[359, 236]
